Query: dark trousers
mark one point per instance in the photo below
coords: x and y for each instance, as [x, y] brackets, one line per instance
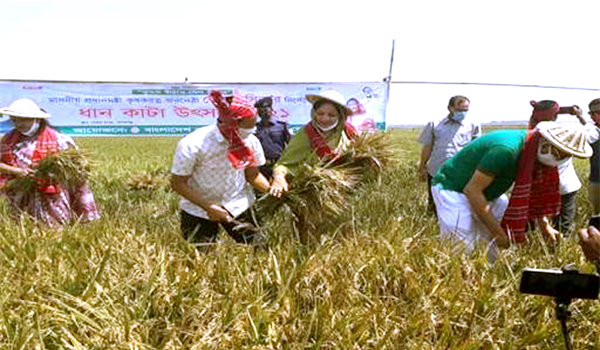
[565, 221]
[200, 230]
[430, 202]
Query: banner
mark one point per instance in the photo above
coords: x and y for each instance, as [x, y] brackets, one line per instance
[129, 109]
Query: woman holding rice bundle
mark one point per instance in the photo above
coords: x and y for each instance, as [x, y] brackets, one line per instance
[32, 140]
[325, 136]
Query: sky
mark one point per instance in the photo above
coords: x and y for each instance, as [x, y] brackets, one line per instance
[526, 42]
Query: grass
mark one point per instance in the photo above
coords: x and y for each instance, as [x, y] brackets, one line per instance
[381, 281]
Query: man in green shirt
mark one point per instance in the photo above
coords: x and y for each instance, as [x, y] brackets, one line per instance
[469, 189]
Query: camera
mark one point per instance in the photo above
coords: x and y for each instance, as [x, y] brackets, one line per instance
[565, 284]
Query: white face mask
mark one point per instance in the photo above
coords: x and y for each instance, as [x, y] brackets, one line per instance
[247, 132]
[547, 158]
[330, 127]
[34, 128]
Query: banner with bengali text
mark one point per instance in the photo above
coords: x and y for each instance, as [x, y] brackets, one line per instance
[145, 109]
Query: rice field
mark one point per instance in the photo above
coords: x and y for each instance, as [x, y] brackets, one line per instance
[379, 280]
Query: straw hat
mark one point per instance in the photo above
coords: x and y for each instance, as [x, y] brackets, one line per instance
[568, 137]
[331, 96]
[24, 108]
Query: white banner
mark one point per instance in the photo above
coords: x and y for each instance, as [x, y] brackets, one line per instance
[108, 109]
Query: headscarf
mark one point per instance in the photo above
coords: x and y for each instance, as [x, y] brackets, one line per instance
[543, 111]
[535, 193]
[230, 111]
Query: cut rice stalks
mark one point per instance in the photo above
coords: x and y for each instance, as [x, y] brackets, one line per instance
[320, 193]
[70, 167]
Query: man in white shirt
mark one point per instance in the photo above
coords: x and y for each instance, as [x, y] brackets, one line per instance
[214, 170]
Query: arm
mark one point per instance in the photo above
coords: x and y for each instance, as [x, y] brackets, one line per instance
[215, 211]
[255, 178]
[474, 193]
[13, 170]
[425, 155]
[590, 243]
[547, 229]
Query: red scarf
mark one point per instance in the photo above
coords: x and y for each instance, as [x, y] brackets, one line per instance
[535, 193]
[46, 145]
[238, 153]
[318, 143]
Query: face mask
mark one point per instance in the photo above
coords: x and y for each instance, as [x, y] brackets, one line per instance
[548, 158]
[33, 129]
[247, 132]
[459, 115]
[331, 127]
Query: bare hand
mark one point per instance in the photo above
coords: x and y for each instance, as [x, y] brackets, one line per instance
[279, 186]
[22, 172]
[577, 110]
[217, 212]
[502, 241]
[590, 243]
[422, 173]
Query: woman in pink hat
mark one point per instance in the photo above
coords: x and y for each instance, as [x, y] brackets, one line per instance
[21, 149]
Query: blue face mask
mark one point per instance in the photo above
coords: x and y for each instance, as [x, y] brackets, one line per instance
[459, 115]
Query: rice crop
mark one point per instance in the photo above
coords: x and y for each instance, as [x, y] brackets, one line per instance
[383, 280]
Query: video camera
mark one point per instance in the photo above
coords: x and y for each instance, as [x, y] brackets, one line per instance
[565, 284]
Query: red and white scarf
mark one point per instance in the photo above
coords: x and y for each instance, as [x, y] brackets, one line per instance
[238, 153]
[46, 144]
[536, 191]
[319, 144]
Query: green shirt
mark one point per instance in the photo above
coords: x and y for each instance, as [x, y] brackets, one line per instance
[299, 150]
[496, 154]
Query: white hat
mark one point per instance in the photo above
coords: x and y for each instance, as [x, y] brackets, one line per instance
[331, 96]
[24, 108]
[570, 138]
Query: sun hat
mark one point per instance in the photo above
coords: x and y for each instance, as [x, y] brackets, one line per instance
[331, 96]
[570, 138]
[24, 108]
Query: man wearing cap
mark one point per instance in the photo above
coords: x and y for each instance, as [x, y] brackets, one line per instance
[214, 170]
[274, 135]
[469, 189]
[442, 139]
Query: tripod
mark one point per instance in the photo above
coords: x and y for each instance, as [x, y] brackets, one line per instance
[563, 314]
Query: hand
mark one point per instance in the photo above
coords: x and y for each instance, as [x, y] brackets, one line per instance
[576, 110]
[502, 241]
[422, 173]
[217, 212]
[590, 243]
[22, 172]
[279, 186]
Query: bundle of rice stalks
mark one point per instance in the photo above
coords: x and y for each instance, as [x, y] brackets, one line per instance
[317, 199]
[370, 155]
[70, 167]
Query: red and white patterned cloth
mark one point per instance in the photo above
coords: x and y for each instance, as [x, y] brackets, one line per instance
[53, 204]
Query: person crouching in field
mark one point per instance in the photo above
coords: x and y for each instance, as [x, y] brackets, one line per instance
[569, 183]
[214, 170]
[32, 140]
[469, 189]
[326, 135]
